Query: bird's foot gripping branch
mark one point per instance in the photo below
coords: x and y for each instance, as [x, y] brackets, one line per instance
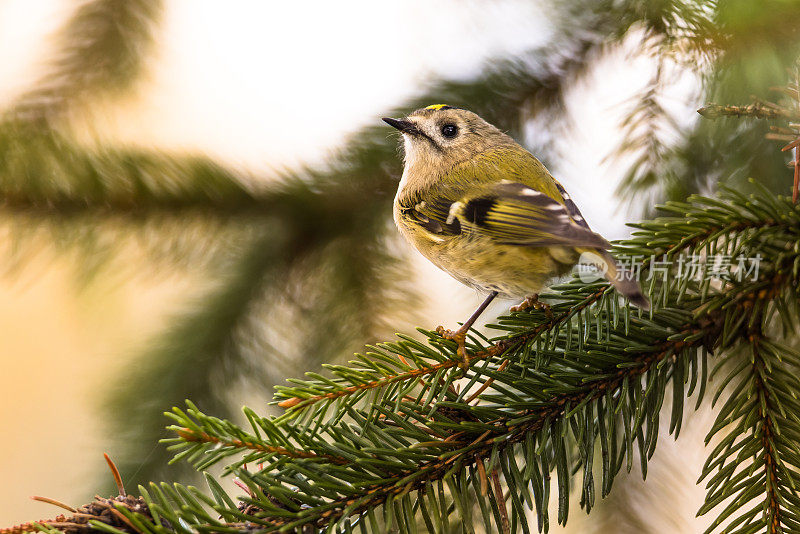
[399, 439]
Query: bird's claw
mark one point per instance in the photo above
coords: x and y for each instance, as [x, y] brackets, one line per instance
[460, 337]
[533, 302]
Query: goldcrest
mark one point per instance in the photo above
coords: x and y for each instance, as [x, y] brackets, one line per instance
[482, 208]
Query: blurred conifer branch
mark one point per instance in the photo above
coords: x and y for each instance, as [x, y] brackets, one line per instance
[787, 111]
[101, 50]
[736, 48]
[757, 110]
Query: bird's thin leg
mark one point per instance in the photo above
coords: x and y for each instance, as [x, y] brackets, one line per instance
[460, 335]
[533, 302]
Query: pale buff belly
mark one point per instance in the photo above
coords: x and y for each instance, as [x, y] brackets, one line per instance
[513, 271]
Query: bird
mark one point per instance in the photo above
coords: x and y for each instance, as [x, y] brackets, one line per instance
[484, 209]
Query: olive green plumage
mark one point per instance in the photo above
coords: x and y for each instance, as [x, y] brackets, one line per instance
[484, 209]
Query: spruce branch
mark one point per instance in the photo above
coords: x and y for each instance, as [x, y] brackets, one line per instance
[496, 349]
[49, 176]
[482, 449]
[761, 450]
[712, 328]
[767, 429]
[550, 390]
[643, 135]
[498, 436]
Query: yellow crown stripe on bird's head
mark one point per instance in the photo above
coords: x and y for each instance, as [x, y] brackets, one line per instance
[437, 106]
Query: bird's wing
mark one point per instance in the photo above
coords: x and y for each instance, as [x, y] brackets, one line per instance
[515, 214]
[431, 212]
[508, 212]
[507, 196]
[571, 207]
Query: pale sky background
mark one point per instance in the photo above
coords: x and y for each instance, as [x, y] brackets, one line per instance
[261, 86]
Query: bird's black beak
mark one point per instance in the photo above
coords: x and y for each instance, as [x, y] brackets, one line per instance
[402, 125]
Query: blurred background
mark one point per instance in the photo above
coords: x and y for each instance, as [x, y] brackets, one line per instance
[195, 196]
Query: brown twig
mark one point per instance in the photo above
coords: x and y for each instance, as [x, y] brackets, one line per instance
[796, 183]
[54, 503]
[108, 505]
[497, 489]
[482, 476]
[188, 434]
[487, 383]
[115, 474]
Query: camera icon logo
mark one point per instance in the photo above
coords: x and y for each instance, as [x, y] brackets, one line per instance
[591, 267]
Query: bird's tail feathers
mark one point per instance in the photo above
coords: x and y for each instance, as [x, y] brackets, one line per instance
[622, 279]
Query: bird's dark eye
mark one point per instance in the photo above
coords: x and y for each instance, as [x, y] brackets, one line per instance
[449, 130]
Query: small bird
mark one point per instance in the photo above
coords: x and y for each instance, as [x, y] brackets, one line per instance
[486, 211]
